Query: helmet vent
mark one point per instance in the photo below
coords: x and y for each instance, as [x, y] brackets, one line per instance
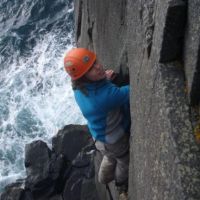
[68, 63]
[86, 59]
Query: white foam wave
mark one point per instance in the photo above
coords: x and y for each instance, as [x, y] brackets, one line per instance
[36, 100]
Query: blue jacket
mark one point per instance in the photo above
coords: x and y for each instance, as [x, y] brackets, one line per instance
[106, 109]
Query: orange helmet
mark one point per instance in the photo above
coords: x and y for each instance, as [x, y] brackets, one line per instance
[78, 61]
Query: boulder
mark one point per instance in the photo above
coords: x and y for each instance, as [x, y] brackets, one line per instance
[37, 158]
[16, 191]
[70, 140]
[65, 172]
[88, 190]
[38, 169]
[13, 191]
[80, 183]
[49, 171]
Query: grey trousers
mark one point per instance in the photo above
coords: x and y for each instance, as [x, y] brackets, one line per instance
[115, 162]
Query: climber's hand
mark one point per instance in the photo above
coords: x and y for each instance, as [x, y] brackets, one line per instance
[110, 74]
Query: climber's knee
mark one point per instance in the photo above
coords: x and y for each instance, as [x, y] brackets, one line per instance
[107, 170]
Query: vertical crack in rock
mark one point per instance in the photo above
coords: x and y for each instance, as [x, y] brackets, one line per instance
[88, 12]
[90, 30]
[173, 31]
[195, 91]
[191, 54]
[123, 12]
[148, 21]
[109, 192]
[123, 76]
[79, 23]
[140, 66]
[91, 25]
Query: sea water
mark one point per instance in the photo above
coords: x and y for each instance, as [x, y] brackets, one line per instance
[36, 99]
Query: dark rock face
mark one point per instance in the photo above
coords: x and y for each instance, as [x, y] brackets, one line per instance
[158, 43]
[81, 184]
[172, 41]
[63, 173]
[37, 159]
[70, 140]
[43, 169]
[13, 192]
[192, 52]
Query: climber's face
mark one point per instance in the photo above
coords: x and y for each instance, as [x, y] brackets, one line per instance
[96, 72]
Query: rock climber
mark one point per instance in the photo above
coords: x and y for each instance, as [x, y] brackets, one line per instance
[106, 109]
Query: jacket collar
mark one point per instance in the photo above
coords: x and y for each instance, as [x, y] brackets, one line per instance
[97, 84]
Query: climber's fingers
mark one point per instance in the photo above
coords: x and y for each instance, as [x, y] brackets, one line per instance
[110, 74]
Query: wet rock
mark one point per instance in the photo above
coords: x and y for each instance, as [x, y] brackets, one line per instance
[44, 170]
[37, 160]
[27, 195]
[70, 140]
[13, 192]
[56, 197]
[16, 191]
[80, 187]
[56, 166]
[51, 175]
[80, 183]
[73, 186]
[88, 190]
